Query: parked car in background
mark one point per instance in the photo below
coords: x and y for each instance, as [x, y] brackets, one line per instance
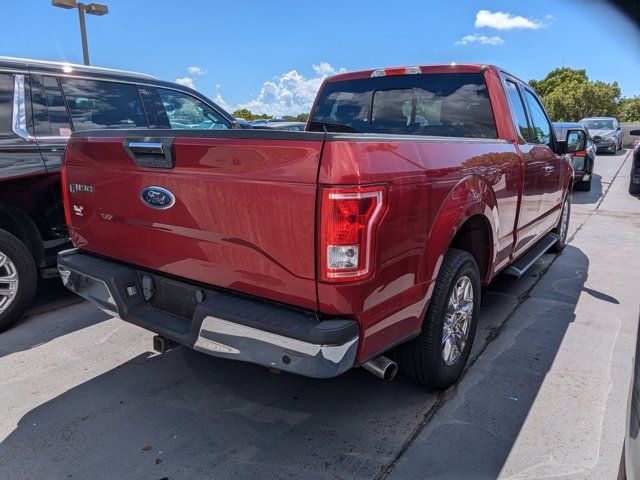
[41, 104]
[606, 133]
[314, 252]
[634, 181]
[583, 159]
[291, 126]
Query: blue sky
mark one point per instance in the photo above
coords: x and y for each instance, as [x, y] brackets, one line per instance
[272, 55]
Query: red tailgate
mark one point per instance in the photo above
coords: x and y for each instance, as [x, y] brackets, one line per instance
[243, 218]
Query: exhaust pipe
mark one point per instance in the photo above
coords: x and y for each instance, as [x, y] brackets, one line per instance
[382, 367]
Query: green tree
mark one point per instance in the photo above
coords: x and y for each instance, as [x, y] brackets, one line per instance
[249, 115]
[303, 117]
[629, 109]
[568, 95]
[558, 77]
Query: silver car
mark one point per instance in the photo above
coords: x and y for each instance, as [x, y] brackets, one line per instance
[606, 133]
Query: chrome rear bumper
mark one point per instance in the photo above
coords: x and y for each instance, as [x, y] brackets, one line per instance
[223, 324]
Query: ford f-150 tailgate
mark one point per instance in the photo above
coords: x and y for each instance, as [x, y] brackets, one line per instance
[234, 208]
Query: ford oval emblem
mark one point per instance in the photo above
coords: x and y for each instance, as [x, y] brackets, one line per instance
[157, 197]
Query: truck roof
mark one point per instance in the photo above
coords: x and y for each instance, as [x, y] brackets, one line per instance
[64, 66]
[439, 68]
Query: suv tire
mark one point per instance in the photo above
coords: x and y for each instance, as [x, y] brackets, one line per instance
[427, 360]
[21, 279]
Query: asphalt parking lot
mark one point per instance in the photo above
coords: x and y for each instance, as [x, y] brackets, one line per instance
[84, 396]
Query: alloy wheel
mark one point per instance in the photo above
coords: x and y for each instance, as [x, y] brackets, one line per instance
[457, 321]
[8, 282]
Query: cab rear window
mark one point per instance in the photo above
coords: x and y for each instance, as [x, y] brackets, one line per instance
[447, 105]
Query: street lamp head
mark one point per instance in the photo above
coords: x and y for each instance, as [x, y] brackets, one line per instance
[68, 4]
[97, 9]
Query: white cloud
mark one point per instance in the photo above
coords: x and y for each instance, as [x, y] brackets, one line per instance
[507, 21]
[220, 101]
[289, 94]
[483, 39]
[186, 81]
[196, 71]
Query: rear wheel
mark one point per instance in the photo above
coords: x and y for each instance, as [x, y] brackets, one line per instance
[562, 229]
[18, 279]
[436, 358]
[634, 188]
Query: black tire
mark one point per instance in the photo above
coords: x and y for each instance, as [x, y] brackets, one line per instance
[583, 186]
[634, 188]
[25, 269]
[421, 359]
[559, 231]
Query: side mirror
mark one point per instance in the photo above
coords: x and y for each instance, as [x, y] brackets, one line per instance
[635, 133]
[576, 142]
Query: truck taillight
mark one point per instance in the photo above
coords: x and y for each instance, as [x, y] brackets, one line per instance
[348, 219]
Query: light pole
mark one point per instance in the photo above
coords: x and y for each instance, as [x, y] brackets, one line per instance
[92, 9]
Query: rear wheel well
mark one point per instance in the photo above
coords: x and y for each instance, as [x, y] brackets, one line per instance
[475, 237]
[20, 225]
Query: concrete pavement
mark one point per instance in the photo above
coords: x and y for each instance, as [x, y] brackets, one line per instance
[83, 396]
[548, 398]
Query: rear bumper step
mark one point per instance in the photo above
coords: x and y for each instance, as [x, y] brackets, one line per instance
[222, 324]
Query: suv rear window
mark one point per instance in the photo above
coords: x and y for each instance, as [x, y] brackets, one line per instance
[447, 105]
[98, 104]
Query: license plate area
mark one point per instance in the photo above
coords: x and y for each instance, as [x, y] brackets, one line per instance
[171, 296]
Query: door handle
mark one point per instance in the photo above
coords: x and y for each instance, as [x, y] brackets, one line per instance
[549, 169]
[151, 152]
[146, 147]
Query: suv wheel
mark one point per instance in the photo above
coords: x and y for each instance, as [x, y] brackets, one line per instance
[18, 279]
[562, 229]
[436, 358]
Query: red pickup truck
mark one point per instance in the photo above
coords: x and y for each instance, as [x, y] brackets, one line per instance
[314, 252]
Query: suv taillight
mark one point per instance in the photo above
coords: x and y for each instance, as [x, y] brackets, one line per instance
[348, 219]
[65, 194]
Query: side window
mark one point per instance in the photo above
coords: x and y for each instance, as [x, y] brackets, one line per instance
[187, 112]
[6, 104]
[99, 104]
[518, 111]
[50, 117]
[541, 126]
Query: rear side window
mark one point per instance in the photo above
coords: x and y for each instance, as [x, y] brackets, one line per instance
[99, 104]
[448, 105]
[6, 104]
[186, 112]
[50, 116]
[518, 111]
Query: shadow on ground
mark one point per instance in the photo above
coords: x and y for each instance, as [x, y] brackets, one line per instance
[480, 424]
[187, 415]
[592, 196]
[38, 327]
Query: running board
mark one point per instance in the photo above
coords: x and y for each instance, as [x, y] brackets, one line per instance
[525, 262]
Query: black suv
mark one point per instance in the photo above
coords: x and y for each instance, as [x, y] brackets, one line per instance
[41, 103]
